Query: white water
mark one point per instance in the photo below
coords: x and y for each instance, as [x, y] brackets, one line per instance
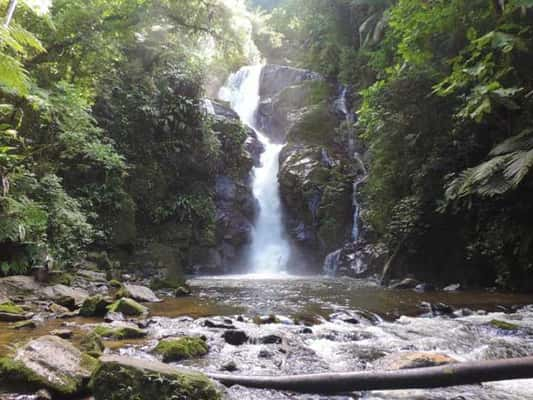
[269, 251]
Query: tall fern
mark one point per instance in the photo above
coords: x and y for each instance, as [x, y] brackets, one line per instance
[15, 44]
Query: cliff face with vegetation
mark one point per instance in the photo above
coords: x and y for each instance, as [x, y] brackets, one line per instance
[106, 144]
[443, 99]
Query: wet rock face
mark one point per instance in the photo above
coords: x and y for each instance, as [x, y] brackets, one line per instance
[137, 381]
[283, 90]
[236, 206]
[317, 196]
[275, 78]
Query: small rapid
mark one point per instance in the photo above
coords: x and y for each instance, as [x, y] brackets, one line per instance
[298, 325]
[269, 250]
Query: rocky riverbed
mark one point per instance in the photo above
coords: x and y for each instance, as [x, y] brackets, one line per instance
[259, 325]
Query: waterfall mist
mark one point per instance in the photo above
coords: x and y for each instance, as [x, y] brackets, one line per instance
[269, 251]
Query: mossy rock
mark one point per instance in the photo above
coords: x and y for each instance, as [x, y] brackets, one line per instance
[17, 376]
[94, 306]
[503, 325]
[28, 324]
[114, 283]
[182, 291]
[119, 332]
[128, 306]
[11, 308]
[167, 283]
[316, 125]
[121, 292]
[181, 349]
[92, 344]
[48, 362]
[60, 278]
[266, 319]
[124, 378]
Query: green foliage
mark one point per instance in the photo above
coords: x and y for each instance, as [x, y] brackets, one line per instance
[16, 43]
[101, 125]
[449, 131]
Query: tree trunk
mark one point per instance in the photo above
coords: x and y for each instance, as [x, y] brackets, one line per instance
[419, 378]
[10, 11]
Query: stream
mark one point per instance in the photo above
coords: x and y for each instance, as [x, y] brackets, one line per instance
[343, 324]
[309, 324]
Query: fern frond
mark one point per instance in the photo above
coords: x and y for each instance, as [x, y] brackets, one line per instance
[518, 166]
[522, 141]
[13, 77]
[26, 39]
[484, 179]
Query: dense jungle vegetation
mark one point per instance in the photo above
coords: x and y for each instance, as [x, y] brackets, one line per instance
[103, 137]
[102, 132]
[445, 112]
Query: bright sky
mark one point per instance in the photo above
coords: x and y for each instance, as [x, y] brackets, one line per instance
[41, 5]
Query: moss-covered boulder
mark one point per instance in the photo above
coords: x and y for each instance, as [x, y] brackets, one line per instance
[166, 283]
[124, 378]
[15, 375]
[92, 344]
[48, 362]
[27, 324]
[504, 325]
[182, 348]
[10, 307]
[121, 332]
[95, 306]
[128, 306]
[10, 312]
[182, 291]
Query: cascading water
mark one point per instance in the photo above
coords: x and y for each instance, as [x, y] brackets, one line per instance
[269, 250]
[331, 263]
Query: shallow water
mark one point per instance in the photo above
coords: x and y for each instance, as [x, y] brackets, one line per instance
[351, 325]
[389, 321]
[289, 294]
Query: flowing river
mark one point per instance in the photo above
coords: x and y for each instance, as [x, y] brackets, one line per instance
[342, 324]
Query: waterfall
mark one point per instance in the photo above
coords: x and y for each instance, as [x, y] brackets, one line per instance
[331, 262]
[269, 250]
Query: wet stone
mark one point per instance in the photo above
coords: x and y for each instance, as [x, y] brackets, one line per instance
[230, 366]
[224, 325]
[263, 353]
[62, 333]
[12, 317]
[29, 324]
[58, 309]
[114, 316]
[270, 339]
[235, 337]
